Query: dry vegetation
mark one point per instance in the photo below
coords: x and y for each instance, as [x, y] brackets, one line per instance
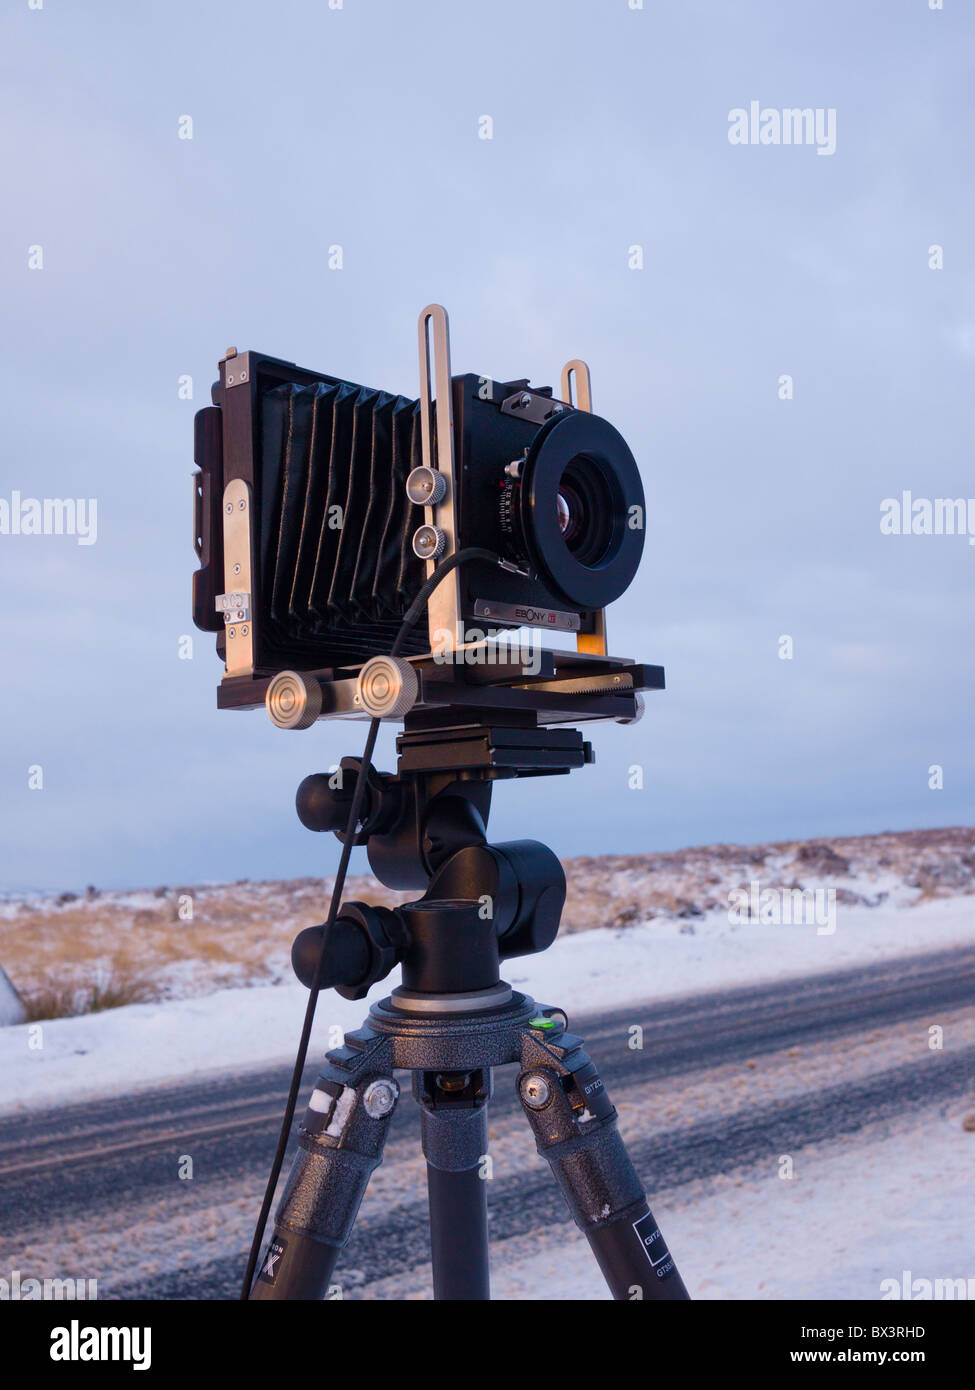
[76, 954]
[917, 865]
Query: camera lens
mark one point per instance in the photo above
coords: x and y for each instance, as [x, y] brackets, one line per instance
[585, 504]
[575, 511]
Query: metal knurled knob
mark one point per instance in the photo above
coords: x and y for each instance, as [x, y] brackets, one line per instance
[387, 687]
[425, 487]
[293, 701]
[429, 542]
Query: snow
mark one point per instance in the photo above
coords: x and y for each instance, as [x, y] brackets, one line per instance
[854, 1216]
[146, 1044]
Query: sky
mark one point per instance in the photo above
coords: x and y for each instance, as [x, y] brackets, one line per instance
[609, 217]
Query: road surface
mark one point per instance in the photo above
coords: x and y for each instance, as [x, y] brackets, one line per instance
[155, 1194]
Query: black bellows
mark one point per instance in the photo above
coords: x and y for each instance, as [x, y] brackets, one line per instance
[336, 526]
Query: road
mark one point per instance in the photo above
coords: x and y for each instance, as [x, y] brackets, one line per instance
[722, 1082]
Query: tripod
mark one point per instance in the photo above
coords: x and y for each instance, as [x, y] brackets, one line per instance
[452, 1021]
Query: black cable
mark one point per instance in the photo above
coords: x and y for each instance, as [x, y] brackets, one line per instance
[410, 618]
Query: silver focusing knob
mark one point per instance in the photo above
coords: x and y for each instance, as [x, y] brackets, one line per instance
[425, 487]
[293, 701]
[387, 687]
[429, 542]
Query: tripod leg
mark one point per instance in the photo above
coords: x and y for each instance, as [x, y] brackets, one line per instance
[574, 1124]
[454, 1129]
[341, 1141]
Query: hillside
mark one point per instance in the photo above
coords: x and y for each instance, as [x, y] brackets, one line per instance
[69, 953]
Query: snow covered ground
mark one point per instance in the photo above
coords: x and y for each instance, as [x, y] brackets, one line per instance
[141, 1044]
[887, 1197]
[853, 1220]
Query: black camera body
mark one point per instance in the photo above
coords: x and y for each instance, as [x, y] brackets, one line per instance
[321, 506]
[556, 491]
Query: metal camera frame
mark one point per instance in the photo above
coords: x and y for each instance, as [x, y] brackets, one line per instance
[568, 686]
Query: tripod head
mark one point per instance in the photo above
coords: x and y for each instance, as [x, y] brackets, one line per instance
[425, 826]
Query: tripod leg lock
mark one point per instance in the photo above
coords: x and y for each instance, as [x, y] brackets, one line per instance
[574, 1124]
[340, 1143]
[584, 1149]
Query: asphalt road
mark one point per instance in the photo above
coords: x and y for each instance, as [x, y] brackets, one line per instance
[87, 1161]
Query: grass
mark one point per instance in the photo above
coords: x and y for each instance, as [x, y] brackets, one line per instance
[78, 955]
[104, 992]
